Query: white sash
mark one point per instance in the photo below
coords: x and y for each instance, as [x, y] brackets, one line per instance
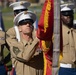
[17, 33]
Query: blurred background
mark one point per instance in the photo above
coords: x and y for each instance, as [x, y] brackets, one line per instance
[36, 6]
[7, 12]
[7, 16]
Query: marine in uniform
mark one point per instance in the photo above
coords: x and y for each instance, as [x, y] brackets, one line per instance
[17, 8]
[68, 62]
[13, 31]
[26, 56]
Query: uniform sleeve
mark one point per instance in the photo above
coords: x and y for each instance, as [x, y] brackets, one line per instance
[16, 47]
[12, 42]
[24, 55]
[2, 37]
[11, 37]
[29, 52]
[11, 32]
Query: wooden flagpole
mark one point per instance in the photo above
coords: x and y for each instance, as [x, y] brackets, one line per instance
[56, 36]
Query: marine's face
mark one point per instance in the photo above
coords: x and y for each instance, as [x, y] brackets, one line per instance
[26, 28]
[67, 20]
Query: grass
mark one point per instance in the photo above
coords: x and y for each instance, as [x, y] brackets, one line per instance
[8, 15]
[8, 21]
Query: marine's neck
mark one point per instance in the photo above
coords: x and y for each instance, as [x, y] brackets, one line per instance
[26, 37]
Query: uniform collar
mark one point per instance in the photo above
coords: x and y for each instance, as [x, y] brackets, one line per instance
[30, 42]
[68, 29]
[65, 27]
[74, 30]
[26, 42]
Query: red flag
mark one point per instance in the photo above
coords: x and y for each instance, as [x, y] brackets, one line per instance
[45, 32]
[46, 46]
[45, 24]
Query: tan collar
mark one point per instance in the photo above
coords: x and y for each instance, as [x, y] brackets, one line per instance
[74, 30]
[26, 42]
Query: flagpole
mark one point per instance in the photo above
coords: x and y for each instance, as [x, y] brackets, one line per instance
[56, 35]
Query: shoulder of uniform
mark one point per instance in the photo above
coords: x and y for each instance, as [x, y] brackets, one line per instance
[11, 32]
[2, 34]
[11, 29]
